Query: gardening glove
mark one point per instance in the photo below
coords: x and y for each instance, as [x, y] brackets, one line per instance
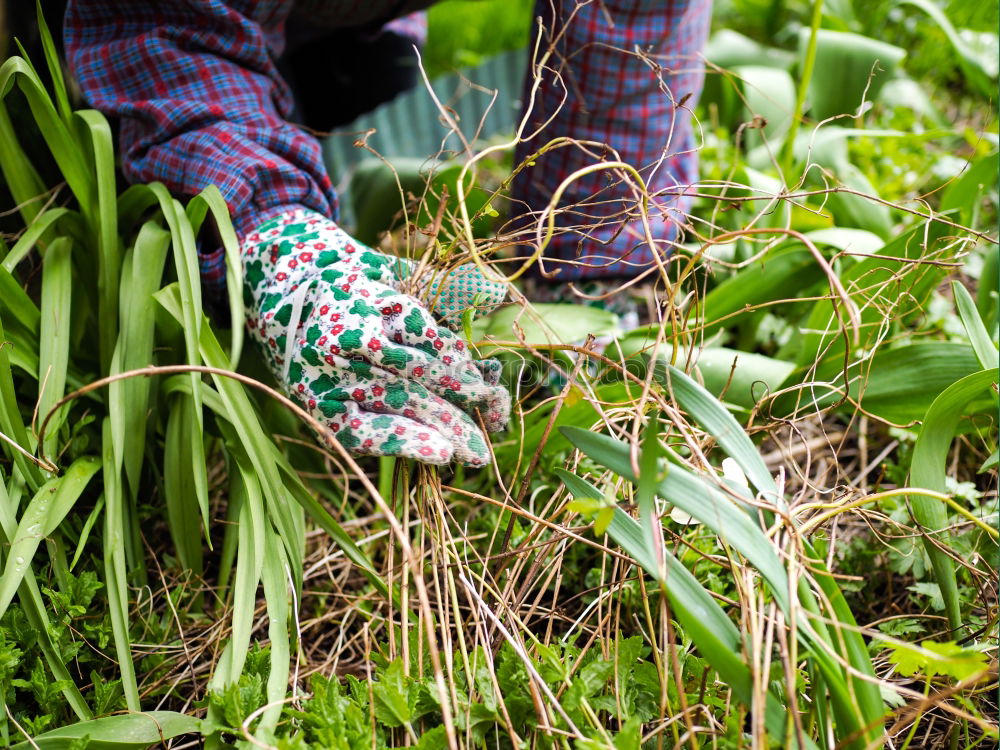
[364, 358]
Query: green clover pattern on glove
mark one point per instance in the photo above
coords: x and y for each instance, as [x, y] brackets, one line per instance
[365, 359]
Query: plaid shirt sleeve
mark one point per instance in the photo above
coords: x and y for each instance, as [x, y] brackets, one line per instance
[200, 100]
[639, 105]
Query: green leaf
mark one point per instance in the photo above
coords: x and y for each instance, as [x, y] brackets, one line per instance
[585, 505]
[242, 415]
[19, 175]
[293, 485]
[780, 274]
[848, 68]
[44, 513]
[768, 93]
[928, 470]
[142, 273]
[115, 569]
[11, 423]
[54, 343]
[716, 420]
[122, 732]
[933, 593]
[211, 200]
[874, 285]
[604, 518]
[542, 324]
[979, 337]
[698, 499]
[932, 657]
[967, 191]
[276, 582]
[702, 618]
[847, 239]
[739, 378]
[100, 210]
[895, 384]
[61, 142]
[979, 70]
[179, 493]
[392, 706]
[855, 705]
[53, 63]
[33, 234]
[17, 303]
[36, 615]
[650, 475]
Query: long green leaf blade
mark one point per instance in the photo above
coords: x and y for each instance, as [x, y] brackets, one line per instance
[115, 571]
[928, 470]
[979, 337]
[53, 348]
[44, 513]
[132, 731]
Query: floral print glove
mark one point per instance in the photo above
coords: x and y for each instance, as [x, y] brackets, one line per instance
[364, 358]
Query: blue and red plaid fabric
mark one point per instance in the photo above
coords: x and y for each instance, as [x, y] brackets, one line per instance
[627, 75]
[201, 102]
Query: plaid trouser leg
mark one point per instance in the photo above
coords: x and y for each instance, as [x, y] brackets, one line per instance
[629, 74]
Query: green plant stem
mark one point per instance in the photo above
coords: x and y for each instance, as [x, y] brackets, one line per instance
[916, 719]
[788, 153]
[386, 468]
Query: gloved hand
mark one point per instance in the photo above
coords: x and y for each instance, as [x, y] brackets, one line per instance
[362, 357]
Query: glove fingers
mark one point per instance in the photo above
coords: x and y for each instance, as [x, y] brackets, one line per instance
[445, 366]
[414, 347]
[366, 433]
[490, 369]
[408, 399]
[460, 381]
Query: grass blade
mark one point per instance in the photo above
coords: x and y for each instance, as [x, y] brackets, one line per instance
[115, 572]
[768, 279]
[649, 478]
[210, 199]
[132, 731]
[53, 64]
[699, 500]
[298, 491]
[275, 578]
[875, 285]
[58, 137]
[44, 513]
[857, 716]
[928, 470]
[240, 414]
[980, 73]
[716, 420]
[895, 384]
[53, 347]
[180, 496]
[31, 603]
[101, 216]
[979, 337]
[715, 635]
[18, 304]
[249, 563]
[11, 423]
[142, 273]
[35, 230]
[25, 186]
